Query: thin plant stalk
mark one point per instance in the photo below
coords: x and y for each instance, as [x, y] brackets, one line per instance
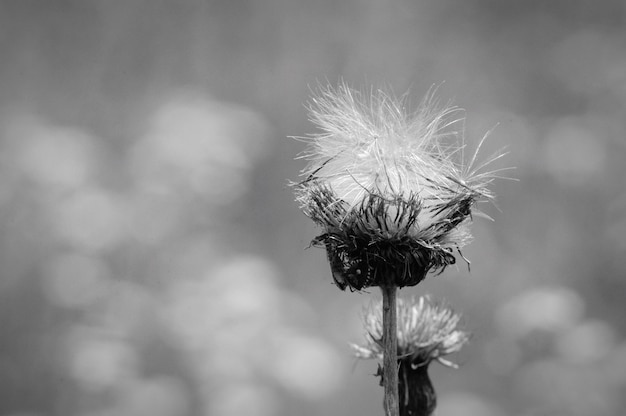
[390, 350]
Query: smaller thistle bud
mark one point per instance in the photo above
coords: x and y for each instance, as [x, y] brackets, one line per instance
[390, 190]
[426, 331]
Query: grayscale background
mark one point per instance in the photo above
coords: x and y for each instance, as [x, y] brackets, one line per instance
[153, 261]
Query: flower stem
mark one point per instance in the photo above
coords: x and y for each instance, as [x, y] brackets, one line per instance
[390, 350]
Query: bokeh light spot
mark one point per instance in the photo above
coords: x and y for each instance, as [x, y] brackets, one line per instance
[52, 155]
[74, 280]
[92, 219]
[98, 362]
[549, 309]
[199, 144]
[307, 366]
[587, 342]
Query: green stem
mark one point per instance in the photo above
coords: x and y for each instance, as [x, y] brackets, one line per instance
[390, 350]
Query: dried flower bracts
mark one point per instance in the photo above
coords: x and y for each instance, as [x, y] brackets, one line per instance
[388, 189]
[426, 332]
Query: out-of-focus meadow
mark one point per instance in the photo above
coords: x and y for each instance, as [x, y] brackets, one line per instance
[153, 262]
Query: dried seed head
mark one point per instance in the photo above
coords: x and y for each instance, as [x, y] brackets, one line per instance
[388, 189]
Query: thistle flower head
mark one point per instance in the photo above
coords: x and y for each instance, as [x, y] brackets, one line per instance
[388, 188]
[426, 332]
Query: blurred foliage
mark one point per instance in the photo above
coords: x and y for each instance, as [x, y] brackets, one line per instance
[152, 261]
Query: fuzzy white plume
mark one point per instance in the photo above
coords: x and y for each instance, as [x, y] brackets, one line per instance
[370, 144]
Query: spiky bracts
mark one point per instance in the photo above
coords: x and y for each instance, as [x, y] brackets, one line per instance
[426, 331]
[388, 189]
[376, 243]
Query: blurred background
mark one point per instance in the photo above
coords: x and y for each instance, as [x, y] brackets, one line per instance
[153, 262]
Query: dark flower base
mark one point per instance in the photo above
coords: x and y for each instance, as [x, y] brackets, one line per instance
[359, 262]
[378, 242]
[416, 394]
